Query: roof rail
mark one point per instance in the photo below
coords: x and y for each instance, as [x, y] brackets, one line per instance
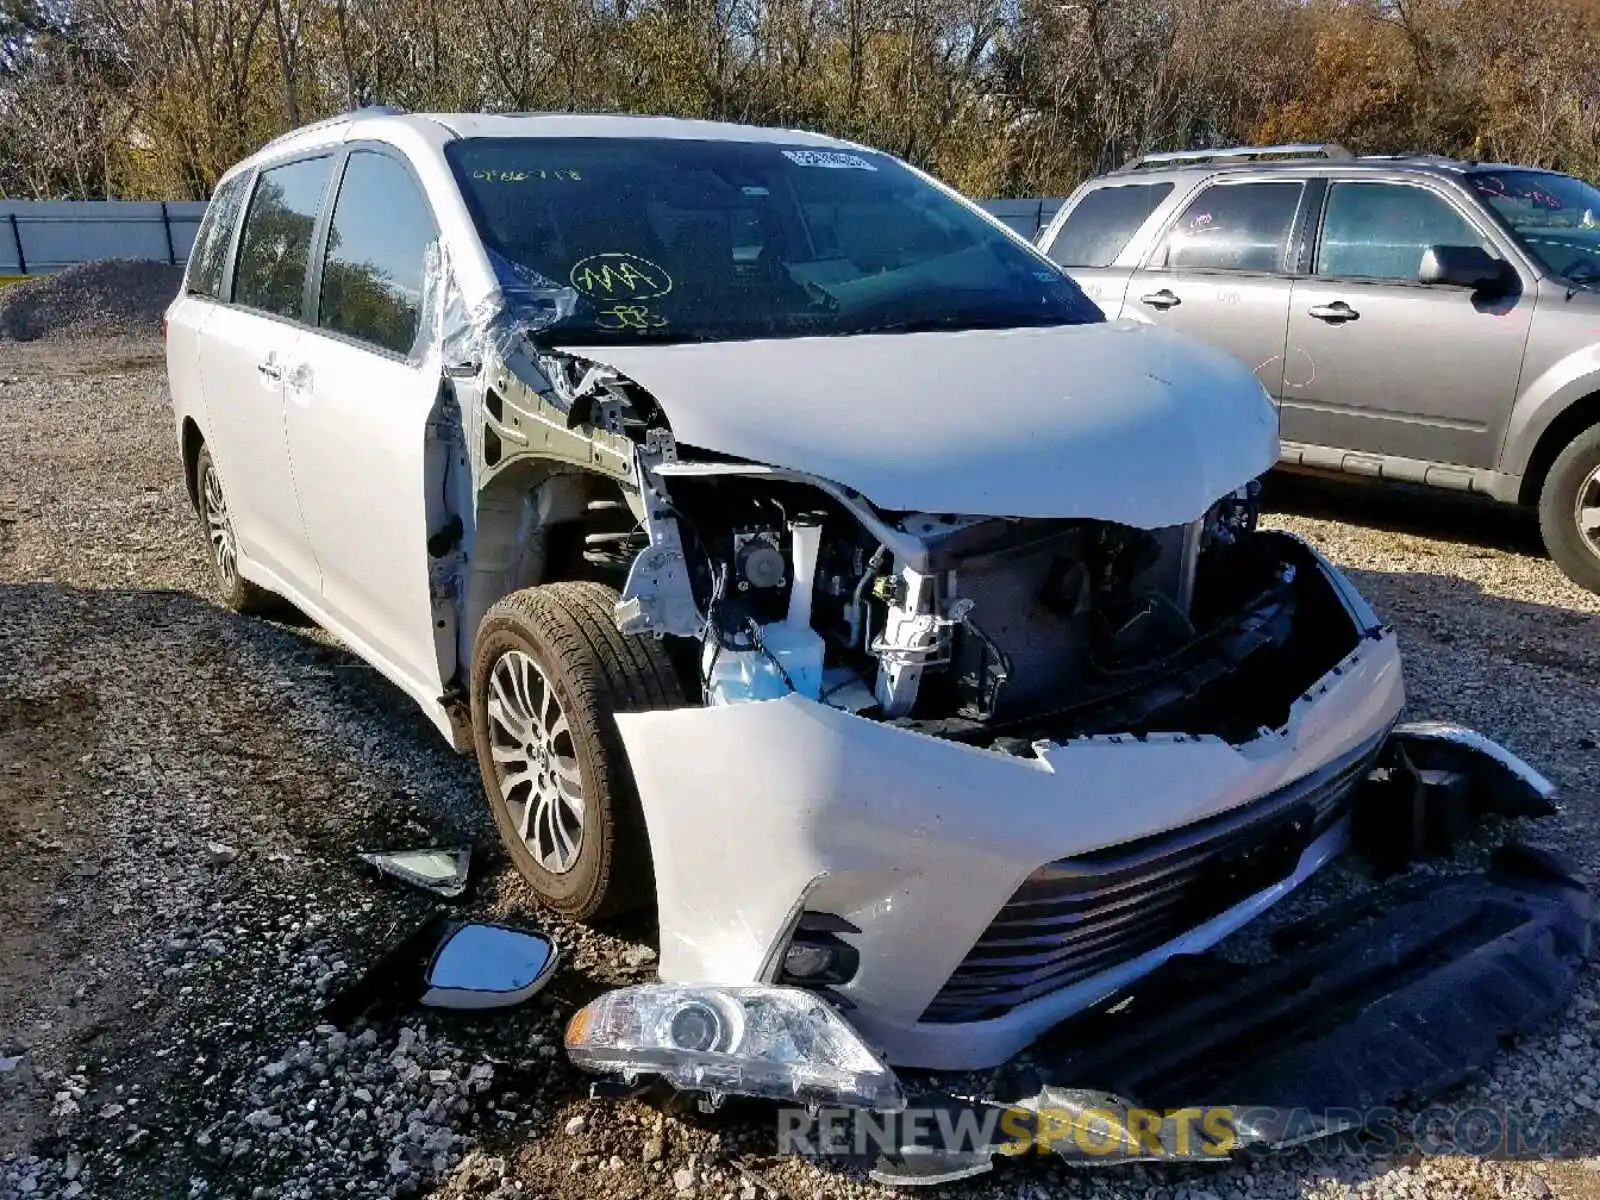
[1332, 150]
[370, 110]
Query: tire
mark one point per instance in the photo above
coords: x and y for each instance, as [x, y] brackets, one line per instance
[559, 642]
[238, 593]
[1573, 484]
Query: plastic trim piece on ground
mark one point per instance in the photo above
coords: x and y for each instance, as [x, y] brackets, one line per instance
[1393, 996]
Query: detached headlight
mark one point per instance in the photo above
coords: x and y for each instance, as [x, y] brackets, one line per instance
[777, 1042]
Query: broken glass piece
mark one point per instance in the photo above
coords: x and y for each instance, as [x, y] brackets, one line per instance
[443, 872]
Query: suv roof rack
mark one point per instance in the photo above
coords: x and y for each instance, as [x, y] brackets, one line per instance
[1332, 150]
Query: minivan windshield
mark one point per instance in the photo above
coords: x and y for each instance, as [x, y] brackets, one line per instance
[1555, 217]
[686, 240]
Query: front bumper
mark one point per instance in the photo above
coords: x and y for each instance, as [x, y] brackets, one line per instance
[760, 812]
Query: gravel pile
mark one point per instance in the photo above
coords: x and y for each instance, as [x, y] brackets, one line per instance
[113, 297]
[182, 793]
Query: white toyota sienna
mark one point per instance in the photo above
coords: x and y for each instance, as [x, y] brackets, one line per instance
[797, 549]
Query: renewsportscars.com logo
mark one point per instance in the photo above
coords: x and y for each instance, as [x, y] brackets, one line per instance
[1096, 1127]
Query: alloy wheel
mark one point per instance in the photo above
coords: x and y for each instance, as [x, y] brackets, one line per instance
[219, 528]
[1586, 510]
[535, 761]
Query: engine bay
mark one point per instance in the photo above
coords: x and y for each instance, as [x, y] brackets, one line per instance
[996, 631]
[1000, 632]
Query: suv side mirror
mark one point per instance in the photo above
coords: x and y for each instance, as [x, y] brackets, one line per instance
[1466, 266]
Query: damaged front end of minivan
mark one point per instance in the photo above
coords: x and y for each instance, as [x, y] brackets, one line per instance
[979, 737]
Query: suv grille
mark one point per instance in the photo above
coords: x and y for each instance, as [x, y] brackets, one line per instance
[1079, 916]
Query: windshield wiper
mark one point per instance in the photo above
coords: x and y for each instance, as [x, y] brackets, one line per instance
[626, 337]
[956, 324]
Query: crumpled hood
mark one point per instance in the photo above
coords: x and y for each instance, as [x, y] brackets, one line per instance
[1115, 422]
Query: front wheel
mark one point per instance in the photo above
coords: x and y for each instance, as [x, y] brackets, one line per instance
[550, 671]
[1569, 510]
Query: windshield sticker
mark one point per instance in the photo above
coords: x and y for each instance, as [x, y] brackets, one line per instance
[524, 176]
[628, 316]
[832, 159]
[621, 277]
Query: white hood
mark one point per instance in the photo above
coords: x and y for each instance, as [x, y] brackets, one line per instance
[1114, 422]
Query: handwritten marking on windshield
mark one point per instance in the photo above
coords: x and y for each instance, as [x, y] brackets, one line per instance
[619, 276]
[525, 176]
[628, 316]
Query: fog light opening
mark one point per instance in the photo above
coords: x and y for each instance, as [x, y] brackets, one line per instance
[818, 958]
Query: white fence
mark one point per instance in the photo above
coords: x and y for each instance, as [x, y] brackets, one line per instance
[39, 236]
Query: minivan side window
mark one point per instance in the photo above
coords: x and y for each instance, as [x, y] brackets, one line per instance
[214, 237]
[1232, 227]
[372, 273]
[1098, 229]
[1381, 230]
[275, 247]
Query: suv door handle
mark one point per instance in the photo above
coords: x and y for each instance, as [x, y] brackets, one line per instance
[1162, 300]
[270, 369]
[1336, 313]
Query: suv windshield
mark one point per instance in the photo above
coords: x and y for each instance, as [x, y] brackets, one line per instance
[1556, 217]
[673, 240]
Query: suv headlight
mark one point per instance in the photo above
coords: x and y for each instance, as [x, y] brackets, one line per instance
[776, 1042]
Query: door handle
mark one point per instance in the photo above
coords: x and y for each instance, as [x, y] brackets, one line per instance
[270, 369]
[1162, 300]
[1336, 313]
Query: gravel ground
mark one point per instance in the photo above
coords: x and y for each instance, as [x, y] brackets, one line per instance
[110, 297]
[182, 791]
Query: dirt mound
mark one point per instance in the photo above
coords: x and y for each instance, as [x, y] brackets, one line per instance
[113, 297]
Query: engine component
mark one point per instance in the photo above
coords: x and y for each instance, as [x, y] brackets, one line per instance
[758, 560]
[777, 659]
[1235, 515]
[807, 532]
[658, 597]
[914, 638]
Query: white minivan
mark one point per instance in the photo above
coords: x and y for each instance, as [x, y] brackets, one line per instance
[798, 549]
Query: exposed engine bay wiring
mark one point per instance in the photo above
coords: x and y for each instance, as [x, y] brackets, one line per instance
[966, 627]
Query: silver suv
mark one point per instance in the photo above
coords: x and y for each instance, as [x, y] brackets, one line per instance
[1415, 318]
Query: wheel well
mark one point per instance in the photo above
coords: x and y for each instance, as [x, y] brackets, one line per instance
[534, 526]
[192, 441]
[1578, 417]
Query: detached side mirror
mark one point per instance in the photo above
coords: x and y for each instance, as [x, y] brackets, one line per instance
[487, 966]
[1466, 266]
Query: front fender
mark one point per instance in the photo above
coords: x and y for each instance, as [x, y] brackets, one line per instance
[1550, 390]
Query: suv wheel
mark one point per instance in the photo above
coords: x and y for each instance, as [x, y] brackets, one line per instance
[1569, 510]
[549, 672]
[238, 593]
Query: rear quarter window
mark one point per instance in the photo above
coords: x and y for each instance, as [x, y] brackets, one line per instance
[1233, 227]
[1096, 231]
[210, 253]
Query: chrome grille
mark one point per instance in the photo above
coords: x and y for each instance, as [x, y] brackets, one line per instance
[1079, 916]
